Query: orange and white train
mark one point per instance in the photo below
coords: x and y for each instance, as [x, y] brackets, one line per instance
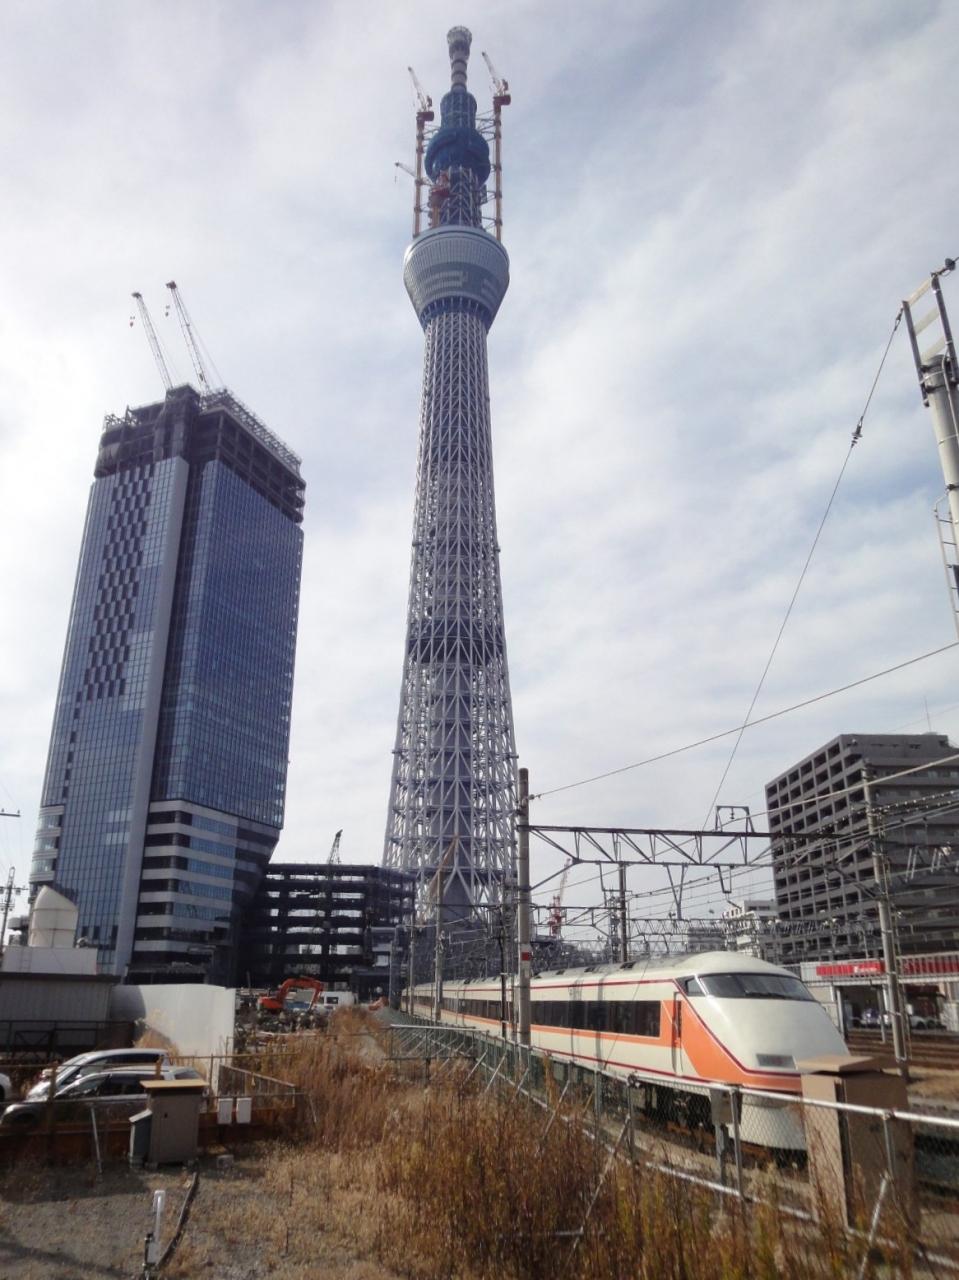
[677, 1024]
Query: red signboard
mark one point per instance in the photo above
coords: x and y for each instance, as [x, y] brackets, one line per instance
[849, 969]
[945, 965]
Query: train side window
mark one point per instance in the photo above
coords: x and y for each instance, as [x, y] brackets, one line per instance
[646, 1017]
[624, 1013]
[597, 1015]
[577, 1015]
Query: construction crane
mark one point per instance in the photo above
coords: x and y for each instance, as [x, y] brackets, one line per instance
[501, 98]
[153, 340]
[423, 100]
[424, 115]
[501, 86]
[555, 922]
[334, 858]
[189, 336]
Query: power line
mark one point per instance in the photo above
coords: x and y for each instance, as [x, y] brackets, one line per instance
[856, 437]
[752, 724]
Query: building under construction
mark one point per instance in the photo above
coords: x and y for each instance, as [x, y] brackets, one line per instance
[164, 790]
[325, 920]
[452, 798]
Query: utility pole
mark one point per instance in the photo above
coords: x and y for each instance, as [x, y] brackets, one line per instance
[9, 892]
[504, 1019]
[937, 368]
[623, 920]
[436, 891]
[438, 958]
[396, 967]
[412, 973]
[525, 955]
[887, 925]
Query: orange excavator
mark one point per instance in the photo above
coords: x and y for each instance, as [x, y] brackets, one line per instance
[275, 1002]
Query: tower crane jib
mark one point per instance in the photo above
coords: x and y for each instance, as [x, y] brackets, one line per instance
[423, 99]
[189, 337]
[501, 86]
[154, 341]
[334, 858]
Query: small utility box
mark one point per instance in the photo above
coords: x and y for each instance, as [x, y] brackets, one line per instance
[851, 1154]
[175, 1107]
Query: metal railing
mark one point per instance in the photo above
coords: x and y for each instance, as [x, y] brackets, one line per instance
[886, 1172]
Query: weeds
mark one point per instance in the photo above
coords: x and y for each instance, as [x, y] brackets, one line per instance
[448, 1181]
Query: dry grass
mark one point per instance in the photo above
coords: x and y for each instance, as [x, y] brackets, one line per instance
[431, 1184]
[150, 1038]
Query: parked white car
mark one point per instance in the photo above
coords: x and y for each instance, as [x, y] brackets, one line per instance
[116, 1092]
[96, 1060]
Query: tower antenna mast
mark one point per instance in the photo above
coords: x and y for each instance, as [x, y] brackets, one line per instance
[154, 341]
[189, 336]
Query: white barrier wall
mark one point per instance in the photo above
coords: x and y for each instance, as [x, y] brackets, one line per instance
[195, 1018]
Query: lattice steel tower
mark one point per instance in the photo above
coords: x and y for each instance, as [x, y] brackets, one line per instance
[453, 791]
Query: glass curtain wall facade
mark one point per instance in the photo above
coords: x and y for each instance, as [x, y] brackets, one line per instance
[164, 790]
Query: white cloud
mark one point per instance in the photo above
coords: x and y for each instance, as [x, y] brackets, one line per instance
[712, 213]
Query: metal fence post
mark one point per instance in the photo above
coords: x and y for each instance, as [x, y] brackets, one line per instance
[631, 1132]
[737, 1100]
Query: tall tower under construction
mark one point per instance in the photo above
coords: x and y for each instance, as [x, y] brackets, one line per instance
[453, 791]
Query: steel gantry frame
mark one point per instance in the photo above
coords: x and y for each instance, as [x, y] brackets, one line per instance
[676, 850]
[454, 761]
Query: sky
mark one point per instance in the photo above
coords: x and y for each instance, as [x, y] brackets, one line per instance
[712, 211]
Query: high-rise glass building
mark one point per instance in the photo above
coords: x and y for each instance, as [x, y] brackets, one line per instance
[165, 783]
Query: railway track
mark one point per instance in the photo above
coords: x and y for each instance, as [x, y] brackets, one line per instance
[926, 1048]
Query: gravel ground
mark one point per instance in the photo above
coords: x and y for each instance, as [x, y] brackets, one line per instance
[67, 1224]
[248, 1222]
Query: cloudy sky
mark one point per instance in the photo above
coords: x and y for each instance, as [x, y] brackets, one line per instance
[712, 210]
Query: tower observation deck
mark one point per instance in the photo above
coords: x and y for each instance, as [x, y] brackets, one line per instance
[453, 789]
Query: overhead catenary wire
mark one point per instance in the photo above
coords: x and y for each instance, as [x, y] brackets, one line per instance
[908, 811]
[856, 437]
[752, 724]
[739, 730]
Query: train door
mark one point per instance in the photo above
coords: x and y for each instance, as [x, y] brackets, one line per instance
[577, 1020]
[676, 1034]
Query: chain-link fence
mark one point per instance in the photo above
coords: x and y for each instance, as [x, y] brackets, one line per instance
[883, 1173]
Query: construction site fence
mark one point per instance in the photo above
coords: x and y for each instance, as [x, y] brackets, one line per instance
[890, 1174]
[24, 1069]
[77, 1130]
[45, 1039]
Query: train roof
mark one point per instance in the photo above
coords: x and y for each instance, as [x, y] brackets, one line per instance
[685, 963]
[664, 966]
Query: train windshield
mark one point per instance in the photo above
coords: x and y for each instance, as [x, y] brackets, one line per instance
[755, 986]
